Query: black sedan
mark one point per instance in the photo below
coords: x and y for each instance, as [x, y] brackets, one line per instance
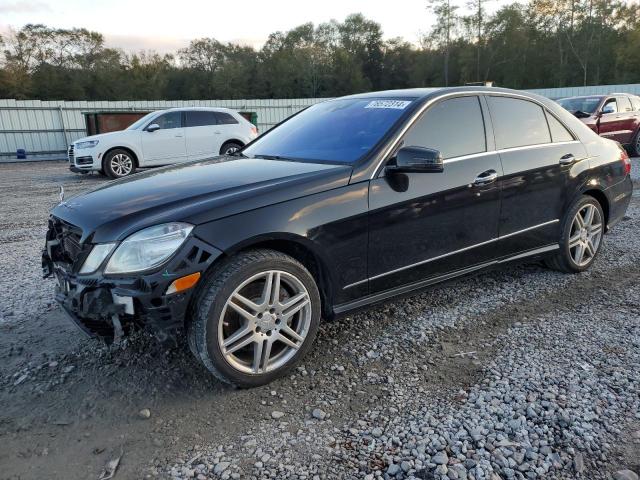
[350, 202]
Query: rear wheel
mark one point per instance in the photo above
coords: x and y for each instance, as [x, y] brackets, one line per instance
[229, 148]
[118, 163]
[581, 239]
[635, 147]
[255, 318]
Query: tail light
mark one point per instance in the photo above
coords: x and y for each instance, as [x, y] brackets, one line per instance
[626, 161]
[254, 131]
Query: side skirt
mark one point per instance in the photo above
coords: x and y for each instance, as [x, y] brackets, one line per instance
[378, 297]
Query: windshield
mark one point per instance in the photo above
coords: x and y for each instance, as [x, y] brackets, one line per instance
[338, 130]
[141, 121]
[581, 104]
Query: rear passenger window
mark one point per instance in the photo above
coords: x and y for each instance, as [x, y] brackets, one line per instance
[635, 103]
[200, 118]
[518, 123]
[559, 132]
[624, 103]
[225, 118]
[454, 127]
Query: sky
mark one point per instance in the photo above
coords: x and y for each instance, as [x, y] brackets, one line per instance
[166, 25]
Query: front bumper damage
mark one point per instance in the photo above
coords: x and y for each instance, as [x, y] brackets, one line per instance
[109, 307]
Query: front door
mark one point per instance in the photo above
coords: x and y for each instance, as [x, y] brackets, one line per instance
[538, 153]
[423, 225]
[166, 145]
[611, 123]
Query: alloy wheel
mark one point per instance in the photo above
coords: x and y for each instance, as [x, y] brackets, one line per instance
[121, 164]
[586, 235]
[231, 150]
[264, 322]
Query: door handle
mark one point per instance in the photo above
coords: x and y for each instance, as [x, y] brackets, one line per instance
[485, 178]
[567, 159]
[216, 133]
[179, 136]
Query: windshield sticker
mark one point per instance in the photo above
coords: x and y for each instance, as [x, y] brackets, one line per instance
[393, 104]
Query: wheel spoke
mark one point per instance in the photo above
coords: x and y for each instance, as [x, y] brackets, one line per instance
[257, 355]
[589, 214]
[294, 305]
[580, 220]
[575, 240]
[579, 253]
[266, 291]
[241, 311]
[239, 339]
[264, 364]
[287, 341]
[590, 248]
[246, 302]
[291, 332]
[595, 229]
[274, 297]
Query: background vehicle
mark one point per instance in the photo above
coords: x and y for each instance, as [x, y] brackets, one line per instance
[615, 116]
[160, 138]
[350, 202]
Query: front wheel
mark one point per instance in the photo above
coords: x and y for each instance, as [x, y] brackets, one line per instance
[118, 163]
[581, 238]
[255, 318]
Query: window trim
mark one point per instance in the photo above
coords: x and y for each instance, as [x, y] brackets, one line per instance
[385, 154]
[436, 103]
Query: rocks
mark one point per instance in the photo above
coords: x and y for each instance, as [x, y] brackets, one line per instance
[318, 414]
[440, 458]
[145, 413]
[393, 469]
[376, 432]
[277, 414]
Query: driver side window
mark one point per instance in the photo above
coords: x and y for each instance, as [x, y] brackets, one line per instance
[611, 103]
[455, 127]
[169, 120]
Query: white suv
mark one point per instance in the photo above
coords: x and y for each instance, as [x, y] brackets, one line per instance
[162, 138]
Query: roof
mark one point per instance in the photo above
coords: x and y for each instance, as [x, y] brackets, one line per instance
[423, 93]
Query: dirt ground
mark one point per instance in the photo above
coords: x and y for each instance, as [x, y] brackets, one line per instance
[70, 404]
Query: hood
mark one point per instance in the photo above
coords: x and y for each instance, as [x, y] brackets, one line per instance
[196, 192]
[100, 136]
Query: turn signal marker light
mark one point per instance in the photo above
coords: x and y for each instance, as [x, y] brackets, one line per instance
[183, 283]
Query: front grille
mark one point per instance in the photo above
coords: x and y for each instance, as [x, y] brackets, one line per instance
[70, 154]
[70, 249]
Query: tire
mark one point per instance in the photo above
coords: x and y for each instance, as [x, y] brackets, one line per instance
[251, 343]
[230, 147]
[635, 146]
[118, 163]
[588, 236]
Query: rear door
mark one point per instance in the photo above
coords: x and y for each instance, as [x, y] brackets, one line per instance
[628, 119]
[538, 154]
[423, 225]
[201, 134]
[166, 145]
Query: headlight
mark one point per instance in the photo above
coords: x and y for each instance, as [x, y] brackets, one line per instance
[148, 248]
[87, 144]
[96, 257]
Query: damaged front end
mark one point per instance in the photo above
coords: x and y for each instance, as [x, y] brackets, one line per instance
[109, 306]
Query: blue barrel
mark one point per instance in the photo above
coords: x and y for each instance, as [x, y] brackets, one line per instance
[21, 153]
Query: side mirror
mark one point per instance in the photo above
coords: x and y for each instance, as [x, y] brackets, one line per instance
[607, 109]
[417, 159]
[153, 127]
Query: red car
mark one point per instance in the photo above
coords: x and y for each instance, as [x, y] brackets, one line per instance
[615, 116]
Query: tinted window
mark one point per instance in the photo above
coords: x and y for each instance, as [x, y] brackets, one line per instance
[342, 130]
[624, 103]
[200, 118]
[559, 132]
[518, 123]
[169, 120]
[225, 118]
[454, 127]
[611, 103]
[635, 102]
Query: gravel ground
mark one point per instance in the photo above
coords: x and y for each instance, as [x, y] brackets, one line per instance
[519, 373]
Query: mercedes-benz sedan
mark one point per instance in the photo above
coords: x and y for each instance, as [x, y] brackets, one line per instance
[349, 202]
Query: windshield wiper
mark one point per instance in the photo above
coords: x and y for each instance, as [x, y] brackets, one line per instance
[272, 157]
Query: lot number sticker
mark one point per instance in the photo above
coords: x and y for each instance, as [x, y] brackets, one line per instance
[393, 104]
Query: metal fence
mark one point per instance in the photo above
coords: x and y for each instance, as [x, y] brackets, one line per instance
[45, 129]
